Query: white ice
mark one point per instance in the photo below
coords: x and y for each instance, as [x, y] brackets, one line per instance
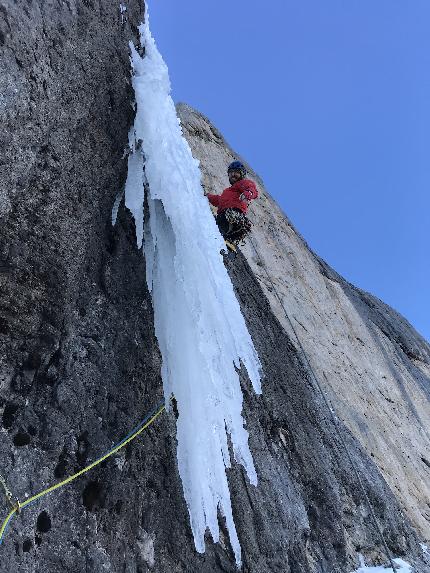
[201, 332]
[401, 567]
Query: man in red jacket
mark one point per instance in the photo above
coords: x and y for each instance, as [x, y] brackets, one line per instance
[233, 203]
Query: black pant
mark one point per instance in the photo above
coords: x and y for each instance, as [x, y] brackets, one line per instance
[233, 233]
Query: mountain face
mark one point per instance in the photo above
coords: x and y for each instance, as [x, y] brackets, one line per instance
[374, 367]
[80, 364]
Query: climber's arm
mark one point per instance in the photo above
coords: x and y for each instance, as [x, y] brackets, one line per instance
[213, 199]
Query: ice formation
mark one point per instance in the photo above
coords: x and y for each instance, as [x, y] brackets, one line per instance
[200, 329]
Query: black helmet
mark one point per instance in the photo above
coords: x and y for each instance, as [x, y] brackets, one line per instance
[237, 166]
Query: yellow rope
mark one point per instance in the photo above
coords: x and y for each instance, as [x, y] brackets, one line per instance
[20, 506]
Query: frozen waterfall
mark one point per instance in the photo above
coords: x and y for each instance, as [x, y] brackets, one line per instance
[199, 326]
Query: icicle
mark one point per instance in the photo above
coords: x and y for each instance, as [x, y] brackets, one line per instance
[199, 326]
[116, 205]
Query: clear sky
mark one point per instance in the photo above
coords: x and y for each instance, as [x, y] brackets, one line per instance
[329, 101]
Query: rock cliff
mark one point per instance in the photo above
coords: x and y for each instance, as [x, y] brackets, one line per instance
[373, 365]
[80, 365]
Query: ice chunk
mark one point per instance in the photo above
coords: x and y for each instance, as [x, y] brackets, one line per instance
[201, 332]
[134, 188]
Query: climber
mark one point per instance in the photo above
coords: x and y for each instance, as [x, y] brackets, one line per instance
[233, 203]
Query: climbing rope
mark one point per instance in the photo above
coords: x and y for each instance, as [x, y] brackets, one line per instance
[17, 506]
[332, 414]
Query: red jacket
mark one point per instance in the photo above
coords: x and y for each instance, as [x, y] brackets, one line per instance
[229, 198]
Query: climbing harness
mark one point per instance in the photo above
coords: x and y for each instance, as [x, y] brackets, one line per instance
[332, 414]
[234, 226]
[239, 226]
[17, 506]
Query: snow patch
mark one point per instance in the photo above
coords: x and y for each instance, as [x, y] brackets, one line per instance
[201, 332]
[145, 544]
[122, 11]
[401, 567]
[120, 461]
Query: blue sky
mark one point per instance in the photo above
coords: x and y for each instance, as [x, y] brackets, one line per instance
[329, 101]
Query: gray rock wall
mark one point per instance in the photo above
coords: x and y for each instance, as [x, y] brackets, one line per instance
[79, 363]
[74, 308]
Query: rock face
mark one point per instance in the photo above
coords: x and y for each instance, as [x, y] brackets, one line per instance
[373, 365]
[80, 366]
